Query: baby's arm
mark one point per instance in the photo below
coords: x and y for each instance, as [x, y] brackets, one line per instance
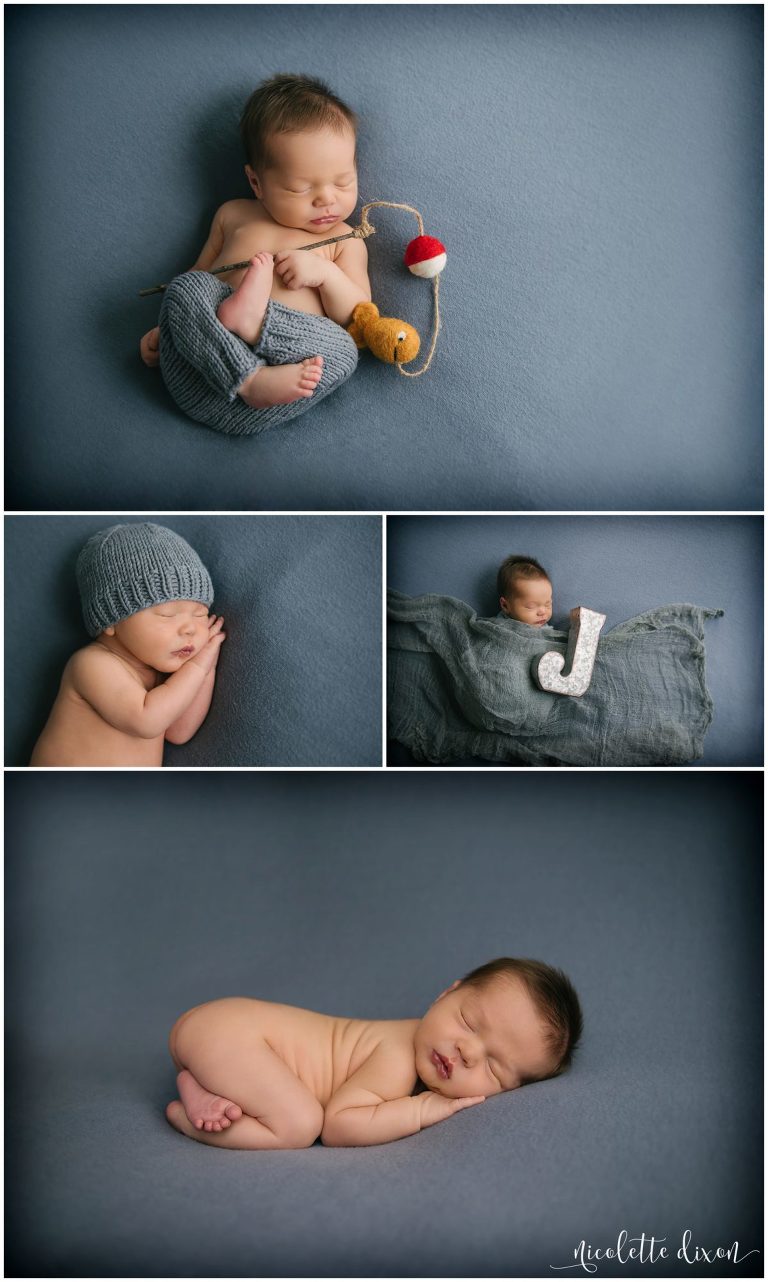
[150, 343]
[100, 678]
[342, 284]
[363, 1111]
[190, 721]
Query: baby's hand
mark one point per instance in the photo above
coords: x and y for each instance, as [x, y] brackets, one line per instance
[436, 1108]
[299, 269]
[209, 655]
[150, 347]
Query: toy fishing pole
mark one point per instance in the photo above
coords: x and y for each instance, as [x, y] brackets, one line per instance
[391, 340]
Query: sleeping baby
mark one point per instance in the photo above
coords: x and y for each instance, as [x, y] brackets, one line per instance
[149, 672]
[525, 592]
[250, 348]
[257, 1075]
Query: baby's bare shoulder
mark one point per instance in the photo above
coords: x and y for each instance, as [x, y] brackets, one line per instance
[390, 1044]
[91, 658]
[95, 663]
[233, 213]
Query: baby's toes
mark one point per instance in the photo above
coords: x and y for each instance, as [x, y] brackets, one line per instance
[234, 1112]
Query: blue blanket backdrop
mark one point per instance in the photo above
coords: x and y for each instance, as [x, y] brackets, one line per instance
[593, 171]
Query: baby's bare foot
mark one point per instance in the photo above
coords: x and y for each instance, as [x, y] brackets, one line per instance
[281, 384]
[178, 1118]
[205, 1111]
[242, 313]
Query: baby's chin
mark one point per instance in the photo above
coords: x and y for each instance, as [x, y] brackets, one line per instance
[444, 1088]
[173, 663]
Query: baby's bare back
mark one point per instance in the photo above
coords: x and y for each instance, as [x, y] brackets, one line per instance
[76, 735]
[248, 230]
[322, 1051]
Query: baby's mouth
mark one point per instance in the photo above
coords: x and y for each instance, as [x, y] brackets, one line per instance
[184, 651]
[444, 1067]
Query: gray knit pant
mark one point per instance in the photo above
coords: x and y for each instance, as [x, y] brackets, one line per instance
[203, 364]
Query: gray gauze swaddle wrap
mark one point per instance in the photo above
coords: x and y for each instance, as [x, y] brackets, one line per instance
[203, 364]
[461, 686]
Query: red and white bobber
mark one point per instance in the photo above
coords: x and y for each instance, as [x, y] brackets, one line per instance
[425, 257]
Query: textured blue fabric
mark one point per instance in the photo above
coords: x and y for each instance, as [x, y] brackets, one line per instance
[298, 681]
[593, 170]
[203, 364]
[460, 686]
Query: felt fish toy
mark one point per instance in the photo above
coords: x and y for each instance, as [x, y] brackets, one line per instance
[391, 340]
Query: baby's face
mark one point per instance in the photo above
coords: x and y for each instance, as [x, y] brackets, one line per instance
[310, 181]
[530, 601]
[164, 636]
[481, 1041]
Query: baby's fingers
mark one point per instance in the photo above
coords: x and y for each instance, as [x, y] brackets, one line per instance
[468, 1101]
[215, 624]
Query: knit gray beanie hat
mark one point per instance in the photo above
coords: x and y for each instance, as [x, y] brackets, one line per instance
[129, 567]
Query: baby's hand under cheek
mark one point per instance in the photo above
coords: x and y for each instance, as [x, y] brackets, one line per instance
[208, 657]
[436, 1108]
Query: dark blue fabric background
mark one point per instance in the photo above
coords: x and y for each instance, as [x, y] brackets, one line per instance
[594, 172]
[299, 677]
[621, 566]
[132, 897]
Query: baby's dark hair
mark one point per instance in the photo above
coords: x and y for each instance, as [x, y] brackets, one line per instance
[551, 992]
[517, 567]
[287, 104]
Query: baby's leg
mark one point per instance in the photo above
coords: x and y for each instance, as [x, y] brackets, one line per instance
[242, 312]
[206, 1111]
[281, 384]
[245, 1134]
[213, 374]
[222, 1047]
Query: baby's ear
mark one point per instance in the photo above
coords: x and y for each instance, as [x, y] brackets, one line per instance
[253, 180]
[108, 632]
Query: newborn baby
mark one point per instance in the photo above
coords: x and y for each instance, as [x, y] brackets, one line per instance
[254, 1074]
[149, 673]
[249, 348]
[525, 592]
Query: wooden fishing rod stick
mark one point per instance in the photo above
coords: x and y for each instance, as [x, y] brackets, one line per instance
[359, 233]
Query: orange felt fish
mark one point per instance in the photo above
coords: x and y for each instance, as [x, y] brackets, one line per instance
[391, 340]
